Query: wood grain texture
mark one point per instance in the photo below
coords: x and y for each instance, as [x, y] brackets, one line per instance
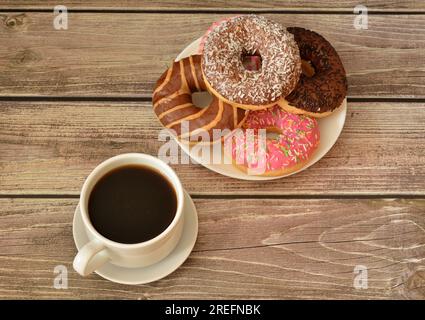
[123, 54]
[246, 249]
[220, 5]
[50, 147]
[264, 246]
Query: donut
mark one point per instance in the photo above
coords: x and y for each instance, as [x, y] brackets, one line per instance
[250, 35]
[297, 137]
[323, 84]
[211, 28]
[173, 105]
[251, 63]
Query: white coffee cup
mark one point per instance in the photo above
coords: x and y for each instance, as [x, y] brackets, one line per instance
[100, 249]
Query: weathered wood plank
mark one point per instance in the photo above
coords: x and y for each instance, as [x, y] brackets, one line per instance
[221, 5]
[246, 249]
[50, 147]
[123, 54]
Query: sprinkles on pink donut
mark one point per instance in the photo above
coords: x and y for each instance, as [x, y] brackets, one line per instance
[297, 137]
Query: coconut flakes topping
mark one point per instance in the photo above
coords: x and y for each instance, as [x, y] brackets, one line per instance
[251, 34]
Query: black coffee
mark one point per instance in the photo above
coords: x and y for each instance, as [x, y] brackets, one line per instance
[132, 204]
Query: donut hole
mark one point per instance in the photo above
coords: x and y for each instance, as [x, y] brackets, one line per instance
[307, 68]
[273, 133]
[251, 61]
[201, 99]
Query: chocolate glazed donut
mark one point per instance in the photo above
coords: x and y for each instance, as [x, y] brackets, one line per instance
[250, 35]
[323, 84]
[172, 102]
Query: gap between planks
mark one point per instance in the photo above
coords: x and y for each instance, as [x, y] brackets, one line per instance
[241, 196]
[224, 10]
[149, 99]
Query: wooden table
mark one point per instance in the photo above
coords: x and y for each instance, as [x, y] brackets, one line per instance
[71, 98]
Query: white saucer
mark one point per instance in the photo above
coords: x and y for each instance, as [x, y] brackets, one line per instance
[156, 271]
[330, 129]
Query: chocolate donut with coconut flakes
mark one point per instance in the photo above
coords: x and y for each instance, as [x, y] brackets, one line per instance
[322, 87]
[247, 35]
[172, 103]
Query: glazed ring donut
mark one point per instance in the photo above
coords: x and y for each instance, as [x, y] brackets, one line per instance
[298, 137]
[225, 74]
[252, 63]
[323, 84]
[172, 103]
[214, 25]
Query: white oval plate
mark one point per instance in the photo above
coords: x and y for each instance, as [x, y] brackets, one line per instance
[330, 129]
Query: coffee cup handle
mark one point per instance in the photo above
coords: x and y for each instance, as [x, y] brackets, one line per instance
[90, 257]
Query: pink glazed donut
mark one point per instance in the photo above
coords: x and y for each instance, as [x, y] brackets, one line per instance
[297, 137]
